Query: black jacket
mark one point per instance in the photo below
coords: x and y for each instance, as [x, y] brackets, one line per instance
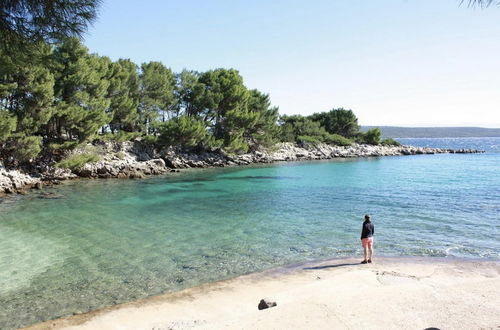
[368, 229]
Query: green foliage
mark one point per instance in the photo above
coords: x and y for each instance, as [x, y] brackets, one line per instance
[76, 161]
[337, 140]
[263, 129]
[150, 139]
[157, 84]
[27, 147]
[338, 121]
[224, 92]
[190, 93]
[372, 136]
[7, 125]
[121, 136]
[390, 142]
[212, 143]
[67, 145]
[297, 125]
[184, 131]
[306, 139]
[80, 90]
[123, 93]
[25, 21]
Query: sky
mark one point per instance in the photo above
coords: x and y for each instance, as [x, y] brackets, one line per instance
[393, 62]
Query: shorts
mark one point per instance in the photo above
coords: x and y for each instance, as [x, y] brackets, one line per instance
[367, 242]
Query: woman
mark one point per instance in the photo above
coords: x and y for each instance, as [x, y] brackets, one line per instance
[367, 239]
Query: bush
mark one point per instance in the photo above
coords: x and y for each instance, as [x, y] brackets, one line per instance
[121, 136]
[64, 146]
[150, 139]
[306, 139]
[76, 162]
[390, 142]
[372, 136]
[337, 140]
[212, 143]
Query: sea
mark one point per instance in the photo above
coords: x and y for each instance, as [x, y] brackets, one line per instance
[88, 244]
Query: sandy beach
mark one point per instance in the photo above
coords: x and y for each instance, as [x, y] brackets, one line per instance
[391, 293]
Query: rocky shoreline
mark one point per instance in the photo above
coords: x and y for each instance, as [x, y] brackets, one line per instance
[135, 159]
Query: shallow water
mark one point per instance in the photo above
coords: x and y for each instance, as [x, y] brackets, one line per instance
[89, 244]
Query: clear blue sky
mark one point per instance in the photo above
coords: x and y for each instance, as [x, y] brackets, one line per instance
[393, 62]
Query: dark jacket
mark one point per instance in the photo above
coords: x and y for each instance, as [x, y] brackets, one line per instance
[368, 229]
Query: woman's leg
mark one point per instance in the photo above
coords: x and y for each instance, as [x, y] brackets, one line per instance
[370, 248]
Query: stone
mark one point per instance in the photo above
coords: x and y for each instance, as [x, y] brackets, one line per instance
[266, 303]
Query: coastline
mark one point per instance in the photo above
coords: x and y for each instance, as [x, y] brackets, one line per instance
[391, 293]
[135, 160]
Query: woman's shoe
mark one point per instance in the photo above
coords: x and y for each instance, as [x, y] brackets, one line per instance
[364, 262]
[369, 261]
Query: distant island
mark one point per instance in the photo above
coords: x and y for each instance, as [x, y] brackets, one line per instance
[434, 132]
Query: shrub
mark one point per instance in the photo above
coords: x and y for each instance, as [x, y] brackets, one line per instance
[121, 136]
[372, 136]
[75, 162]
[306, 139]
[150, 139]
[64, 146]
[390, 142]
[337, 140]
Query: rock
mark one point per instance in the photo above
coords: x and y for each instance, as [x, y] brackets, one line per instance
[266, 303]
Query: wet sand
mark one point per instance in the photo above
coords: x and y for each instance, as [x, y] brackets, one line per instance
[391, 293]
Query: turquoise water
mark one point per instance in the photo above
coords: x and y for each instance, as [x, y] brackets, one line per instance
[89, 244]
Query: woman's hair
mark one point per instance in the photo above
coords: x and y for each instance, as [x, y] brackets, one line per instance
[367, 217]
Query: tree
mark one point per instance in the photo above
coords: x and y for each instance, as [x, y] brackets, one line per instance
[80, 92]
[26, 88]
[224, 93]
[23, 22]
[123, 94]
[296, 127]
[7, 125]
[338, 121]
[264, 129]
[189, 93]
[156, 94]
[182, 131]
[372, 136]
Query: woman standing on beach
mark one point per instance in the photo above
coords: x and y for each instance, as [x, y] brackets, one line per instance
[367, 239]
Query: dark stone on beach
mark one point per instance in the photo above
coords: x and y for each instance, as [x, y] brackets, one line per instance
[266, 303]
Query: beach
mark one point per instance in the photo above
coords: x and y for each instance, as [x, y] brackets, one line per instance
[391, 293]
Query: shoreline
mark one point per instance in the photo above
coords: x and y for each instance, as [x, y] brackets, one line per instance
[321, 294]
[136, 160]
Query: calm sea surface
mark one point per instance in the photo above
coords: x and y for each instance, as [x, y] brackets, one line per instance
[88, 244]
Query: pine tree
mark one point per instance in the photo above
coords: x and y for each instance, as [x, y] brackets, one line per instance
[123, 93]
[80, 90]
[157, 98]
